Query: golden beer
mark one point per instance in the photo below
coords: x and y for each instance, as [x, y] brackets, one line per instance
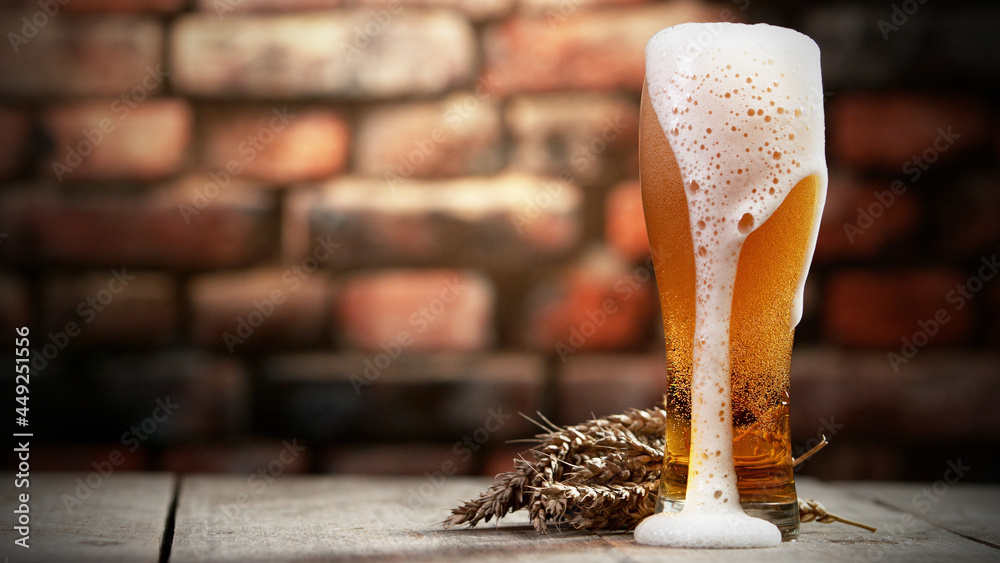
[769, 273]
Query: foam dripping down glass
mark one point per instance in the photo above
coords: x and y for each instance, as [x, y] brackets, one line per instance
[733, 179]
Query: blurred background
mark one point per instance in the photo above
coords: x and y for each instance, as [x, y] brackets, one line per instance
[360, 236]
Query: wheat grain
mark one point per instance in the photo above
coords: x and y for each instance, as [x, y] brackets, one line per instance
[599, 475]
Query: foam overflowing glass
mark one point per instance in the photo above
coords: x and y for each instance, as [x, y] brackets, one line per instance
[733, 179]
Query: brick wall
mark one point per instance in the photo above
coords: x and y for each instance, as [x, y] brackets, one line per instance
[362, 235]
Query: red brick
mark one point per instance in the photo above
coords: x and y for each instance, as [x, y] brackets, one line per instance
[414, 396]
[888, 130]
[590, 49]
[323, 54]
[924, 57]
[505, 220]
[857, 223]
[223, 8]
[857, 461]
[121, 307]
[964, 223]
[937, 396]
[290, 308]
[273, 457]
[94, 56]
[30, 7]
[624, 223]
[591, 385]
[416, 310]
[278, 144]
[108, 140]
[170, 226]
[458, 136]
[880, 309]
[15, 303]
[208, 396]
[593, 137]
[476, 10]
[599, 303]
[125, 6]
[396, 459]
[82, 457]
[15, 136]
[501, 459]
[994, 297]
[557, 9]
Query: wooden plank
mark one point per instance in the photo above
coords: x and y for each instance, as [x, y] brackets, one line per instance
[970, 510]
[900, 536]
[122, 519]
[224, 518]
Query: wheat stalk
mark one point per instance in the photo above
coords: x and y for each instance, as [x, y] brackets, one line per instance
[601, 474]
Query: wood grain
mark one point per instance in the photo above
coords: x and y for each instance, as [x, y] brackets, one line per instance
[225, 518]
[123, 519]
[898, 538]
[969, 510]
[335, 518]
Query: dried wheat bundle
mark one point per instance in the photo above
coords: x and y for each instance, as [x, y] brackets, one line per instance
[601, 474]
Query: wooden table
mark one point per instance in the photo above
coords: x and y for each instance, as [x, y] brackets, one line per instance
[162, 517]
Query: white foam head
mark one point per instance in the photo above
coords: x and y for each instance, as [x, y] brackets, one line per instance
[742, 108]
[701, 530]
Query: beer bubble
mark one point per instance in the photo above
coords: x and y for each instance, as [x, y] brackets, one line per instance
[746, 224]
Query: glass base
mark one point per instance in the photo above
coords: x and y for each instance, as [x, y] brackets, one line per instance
[784, 515]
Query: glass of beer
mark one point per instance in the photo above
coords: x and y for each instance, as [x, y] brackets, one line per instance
[733, 180]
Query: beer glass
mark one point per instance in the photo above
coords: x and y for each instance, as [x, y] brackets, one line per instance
[775, 245]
